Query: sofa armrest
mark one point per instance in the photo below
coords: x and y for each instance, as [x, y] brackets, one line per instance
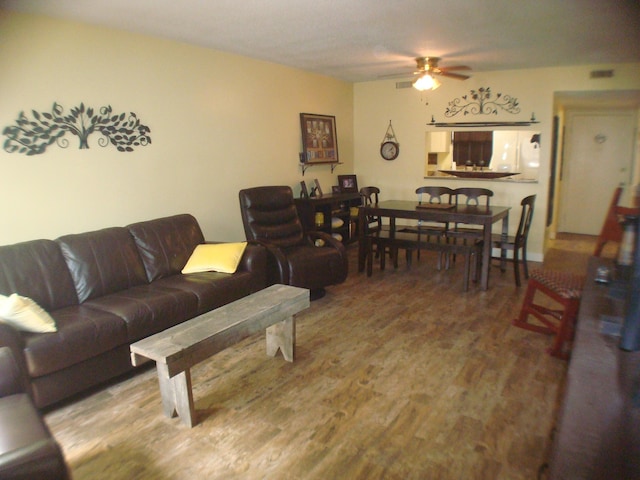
[10, 377]
[14, 341]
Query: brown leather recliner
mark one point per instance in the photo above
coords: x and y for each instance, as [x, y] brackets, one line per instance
[270, 218]
[27, 448]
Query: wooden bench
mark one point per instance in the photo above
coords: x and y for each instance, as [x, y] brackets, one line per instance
[179, 348]
[412, 241]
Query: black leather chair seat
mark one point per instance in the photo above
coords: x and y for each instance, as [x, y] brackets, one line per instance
[312, 267]
[28, 451]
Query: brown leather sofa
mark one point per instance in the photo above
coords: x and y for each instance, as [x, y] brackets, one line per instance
[27, 448]
[107, 289]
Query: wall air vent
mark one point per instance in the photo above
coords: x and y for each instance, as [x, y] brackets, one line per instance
[601, 74]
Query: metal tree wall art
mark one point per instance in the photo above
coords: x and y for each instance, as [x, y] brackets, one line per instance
[482, 102]
[32, 136]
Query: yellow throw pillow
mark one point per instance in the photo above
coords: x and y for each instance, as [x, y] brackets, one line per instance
[217, 257]
[25, 314]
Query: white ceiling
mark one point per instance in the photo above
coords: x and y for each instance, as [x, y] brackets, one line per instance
[360, 40]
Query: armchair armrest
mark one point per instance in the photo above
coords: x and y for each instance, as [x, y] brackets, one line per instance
[276, 262]
[10, 377]
[328, 240]
[331, 242]
[254, 258]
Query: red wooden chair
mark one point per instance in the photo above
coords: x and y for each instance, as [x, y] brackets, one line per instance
[611, 229]
[565, 289]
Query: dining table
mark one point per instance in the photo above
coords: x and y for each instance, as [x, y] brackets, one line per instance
[482, 215]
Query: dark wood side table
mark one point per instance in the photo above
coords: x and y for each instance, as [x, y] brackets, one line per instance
[598, 435]
[330, 206]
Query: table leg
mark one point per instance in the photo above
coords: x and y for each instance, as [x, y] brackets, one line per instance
[362, 252]
[505, 234]
[486, 257]
[177, 397]
[282, 336]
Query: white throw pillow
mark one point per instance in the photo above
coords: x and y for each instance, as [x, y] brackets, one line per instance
[336, 222]
[25, 314]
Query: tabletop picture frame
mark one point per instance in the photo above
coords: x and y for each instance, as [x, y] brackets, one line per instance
[304, 193]
[317, 189]
[319, 138]
[348, 183]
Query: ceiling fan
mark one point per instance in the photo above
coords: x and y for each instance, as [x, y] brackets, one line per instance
[427, 70]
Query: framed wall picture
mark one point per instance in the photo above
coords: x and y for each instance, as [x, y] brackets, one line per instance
[319, 138]
[348, 183]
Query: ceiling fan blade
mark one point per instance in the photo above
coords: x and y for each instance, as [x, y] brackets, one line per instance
[398, 75]
[455, 67]
[457, 76]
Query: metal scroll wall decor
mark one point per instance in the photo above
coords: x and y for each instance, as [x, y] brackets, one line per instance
[32, 136]
[482, 102]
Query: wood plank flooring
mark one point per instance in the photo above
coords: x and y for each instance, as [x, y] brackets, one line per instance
[397, 376]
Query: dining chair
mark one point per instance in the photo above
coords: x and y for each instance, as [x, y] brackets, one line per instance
[517, 243]
[469, 196]
[431, 194]
[438, 195]
[373, 225]
[370, 195]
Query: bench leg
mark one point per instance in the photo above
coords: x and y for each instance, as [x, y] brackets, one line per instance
[177, 397]
[282, 336]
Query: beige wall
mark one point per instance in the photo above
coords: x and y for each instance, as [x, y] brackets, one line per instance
[375, 103]
[218, 123]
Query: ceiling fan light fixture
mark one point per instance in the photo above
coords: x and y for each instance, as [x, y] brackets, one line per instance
[426, 82]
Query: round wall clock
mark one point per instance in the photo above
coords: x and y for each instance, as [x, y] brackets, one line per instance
[389, 150]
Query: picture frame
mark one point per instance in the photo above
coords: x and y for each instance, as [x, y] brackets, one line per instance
[335, 189]
[317, 187]
[348, 183]
[319, 138]
[303, 190]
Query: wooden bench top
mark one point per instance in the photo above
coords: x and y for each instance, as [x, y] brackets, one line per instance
[184, 345]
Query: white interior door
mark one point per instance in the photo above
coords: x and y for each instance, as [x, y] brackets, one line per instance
[598, 158]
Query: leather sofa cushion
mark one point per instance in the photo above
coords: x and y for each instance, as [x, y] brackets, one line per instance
[213, 289]
[27, 449]
[165, 244]
[82, 333]
[148, 309]
[102, 262]
[36, 269]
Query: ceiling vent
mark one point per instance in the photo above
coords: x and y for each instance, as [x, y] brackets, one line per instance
[404, 84]
[601, 74]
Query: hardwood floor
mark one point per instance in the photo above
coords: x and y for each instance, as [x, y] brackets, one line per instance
[397, 376]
